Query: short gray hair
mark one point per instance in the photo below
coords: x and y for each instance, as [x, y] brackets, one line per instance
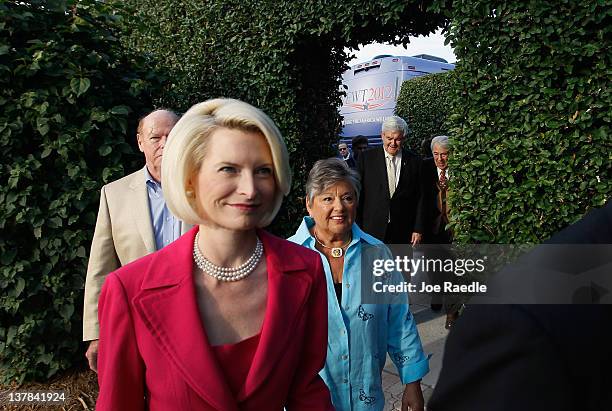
[442, 141]
[326, 173]
[395, 123]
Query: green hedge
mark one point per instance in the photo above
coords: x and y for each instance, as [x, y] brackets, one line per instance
[285, 57]
[71, 94]
[67, 90]
[425, 103]
[531, 115]
[531, 124]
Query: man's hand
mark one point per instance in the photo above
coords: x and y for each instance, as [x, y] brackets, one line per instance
[92, 355]
[412, 400]
[416, 238]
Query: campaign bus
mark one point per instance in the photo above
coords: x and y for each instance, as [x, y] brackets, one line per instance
[372, 88]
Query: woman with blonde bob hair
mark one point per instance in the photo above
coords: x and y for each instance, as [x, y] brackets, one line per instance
[218, 319]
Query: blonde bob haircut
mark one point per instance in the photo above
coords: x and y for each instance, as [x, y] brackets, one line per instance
[185, 151]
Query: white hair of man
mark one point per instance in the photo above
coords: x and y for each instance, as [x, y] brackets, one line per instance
[395, 123]
[441, 141]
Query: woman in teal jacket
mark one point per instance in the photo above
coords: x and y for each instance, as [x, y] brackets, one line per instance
[359, 335]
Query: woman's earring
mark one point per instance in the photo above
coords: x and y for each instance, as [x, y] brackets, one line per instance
[189, 193]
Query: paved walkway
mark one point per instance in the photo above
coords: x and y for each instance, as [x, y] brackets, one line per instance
[433, 336]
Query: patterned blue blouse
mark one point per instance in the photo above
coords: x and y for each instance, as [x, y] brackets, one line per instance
[361, 335]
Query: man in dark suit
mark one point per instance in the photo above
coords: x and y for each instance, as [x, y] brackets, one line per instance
[534, 357]
[359, 144]
[345, 154]
[435, 182]
[435, 186]
[391, 204]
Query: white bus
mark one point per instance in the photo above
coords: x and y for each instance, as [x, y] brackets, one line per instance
[372, 88]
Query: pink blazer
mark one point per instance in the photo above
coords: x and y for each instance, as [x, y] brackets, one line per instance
[154, 353]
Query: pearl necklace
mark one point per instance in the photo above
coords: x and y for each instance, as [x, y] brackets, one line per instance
[227, 273]
[336, 252]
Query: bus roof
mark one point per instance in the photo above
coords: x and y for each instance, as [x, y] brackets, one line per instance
[384, 64]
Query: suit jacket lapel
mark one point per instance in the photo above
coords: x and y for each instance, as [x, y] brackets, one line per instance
[141, 212]
[168, 307]
[287, 296]
[404, 172]
[381, 162]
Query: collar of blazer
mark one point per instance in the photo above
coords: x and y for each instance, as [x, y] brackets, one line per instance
[169, 310]
[141, 211]
[406, 156]
[382, 164]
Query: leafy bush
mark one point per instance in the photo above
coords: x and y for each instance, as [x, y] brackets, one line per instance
[531, 123]
[70, 96]
[425, 103]
[67, 89]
